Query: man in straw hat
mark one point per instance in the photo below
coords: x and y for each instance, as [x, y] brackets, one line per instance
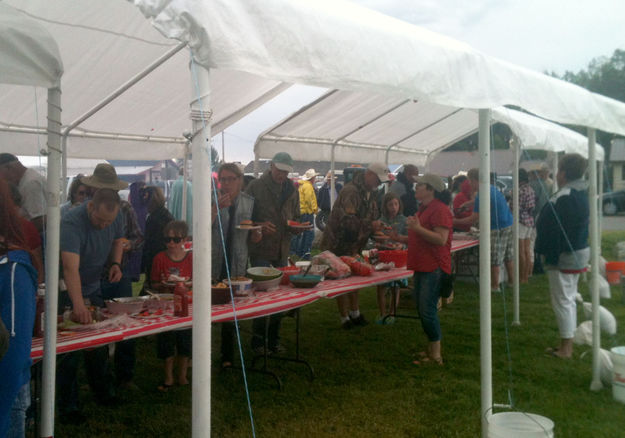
[92, 237]
[307, 208]
[354, 217]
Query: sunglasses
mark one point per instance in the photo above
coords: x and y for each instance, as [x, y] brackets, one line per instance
[173, 239]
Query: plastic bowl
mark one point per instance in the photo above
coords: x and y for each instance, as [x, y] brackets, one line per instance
[241, 288]
[260, 273]
[128, 305]
[288, 271]
[398, 257]
[268, 285]
[305, 280]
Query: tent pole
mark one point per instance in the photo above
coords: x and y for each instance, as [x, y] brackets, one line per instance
[599, 197]
[202, 189]
[486, 382]
[554, 171]
[256, 165]
[185, 179]
[595, 384]
[64, 168]
[53, 231]
[332, 184]
[515, 145]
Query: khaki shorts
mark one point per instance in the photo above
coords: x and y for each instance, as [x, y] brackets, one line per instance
[525, 232]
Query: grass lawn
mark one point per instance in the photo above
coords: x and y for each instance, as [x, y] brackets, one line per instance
[367, 386]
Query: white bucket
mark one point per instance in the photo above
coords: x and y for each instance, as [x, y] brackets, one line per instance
[519, 425]
[618, 375]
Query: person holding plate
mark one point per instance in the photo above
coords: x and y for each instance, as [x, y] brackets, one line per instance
[232, 232]
[276, 201]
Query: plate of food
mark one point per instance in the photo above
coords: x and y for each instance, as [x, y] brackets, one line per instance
[248, 225]
[300, 225]
[380, 236]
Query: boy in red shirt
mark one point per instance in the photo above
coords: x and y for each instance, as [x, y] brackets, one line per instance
[168, 266]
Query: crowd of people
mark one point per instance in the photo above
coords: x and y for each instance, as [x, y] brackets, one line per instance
[107, 243]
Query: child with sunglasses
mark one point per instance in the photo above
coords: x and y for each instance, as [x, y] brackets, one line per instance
[177, 262]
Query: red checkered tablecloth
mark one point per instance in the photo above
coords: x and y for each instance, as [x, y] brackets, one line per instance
[261, 304]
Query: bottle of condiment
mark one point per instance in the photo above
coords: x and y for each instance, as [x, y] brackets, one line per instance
[181, 300]
[39, 313]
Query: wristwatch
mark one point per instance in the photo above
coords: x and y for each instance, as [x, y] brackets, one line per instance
[116, 263]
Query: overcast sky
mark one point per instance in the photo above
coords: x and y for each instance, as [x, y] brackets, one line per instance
[544, 35]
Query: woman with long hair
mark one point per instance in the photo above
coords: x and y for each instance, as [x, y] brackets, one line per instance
[429, 256]
[18, 284]
[158, 217]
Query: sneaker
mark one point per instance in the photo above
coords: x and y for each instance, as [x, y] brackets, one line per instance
[361, 321]
[278, 349]
[385, 320]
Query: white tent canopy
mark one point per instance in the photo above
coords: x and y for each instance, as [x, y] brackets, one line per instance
[258, 46]
[104, 44]
[29, 54]
[357, 127]
[339, 45]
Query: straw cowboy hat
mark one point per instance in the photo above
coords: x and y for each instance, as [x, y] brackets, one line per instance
[310, 174]
[104, 177]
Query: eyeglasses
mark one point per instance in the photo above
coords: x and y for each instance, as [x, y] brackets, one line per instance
[228, 179]
[173, 239]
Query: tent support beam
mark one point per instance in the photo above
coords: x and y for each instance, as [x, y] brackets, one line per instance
[332, 182]
[595, 384]
[53, 231]
[486, 381]
[515, 145]
[202, 190]
[111, 97]
[185, 178]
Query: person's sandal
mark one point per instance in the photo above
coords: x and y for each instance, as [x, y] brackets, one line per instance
[164, 387]
[426, 360]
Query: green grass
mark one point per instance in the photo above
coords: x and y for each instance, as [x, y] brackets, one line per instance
[366, 385]
[609, 239]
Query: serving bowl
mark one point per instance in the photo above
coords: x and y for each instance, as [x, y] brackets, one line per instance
[268, 285]
[305, 280]
[241, 286]
[288, 271]
[160, 301]
[128, 305]
[261, 273]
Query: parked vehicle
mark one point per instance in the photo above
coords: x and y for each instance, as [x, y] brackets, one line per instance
[613, 202]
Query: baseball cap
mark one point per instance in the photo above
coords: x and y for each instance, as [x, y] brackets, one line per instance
[283, 161]
[380, 170]
[435, 181]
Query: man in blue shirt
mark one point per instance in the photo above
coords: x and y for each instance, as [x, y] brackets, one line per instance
[89, 233]
[500, 227]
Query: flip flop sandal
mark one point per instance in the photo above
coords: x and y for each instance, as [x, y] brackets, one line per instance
[553, 352]
[164, 387]
[428, 361]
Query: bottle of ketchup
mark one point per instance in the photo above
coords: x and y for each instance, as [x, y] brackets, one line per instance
[181, 300]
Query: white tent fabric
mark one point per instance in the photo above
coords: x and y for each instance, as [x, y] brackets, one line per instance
[29, 54]
[103, 44]
[335, 44]
[364, 128]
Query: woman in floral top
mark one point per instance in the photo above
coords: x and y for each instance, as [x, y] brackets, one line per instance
[527, 202]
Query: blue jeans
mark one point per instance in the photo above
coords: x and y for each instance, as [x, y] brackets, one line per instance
[427, 287]
[18, 412]
[305, 239]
